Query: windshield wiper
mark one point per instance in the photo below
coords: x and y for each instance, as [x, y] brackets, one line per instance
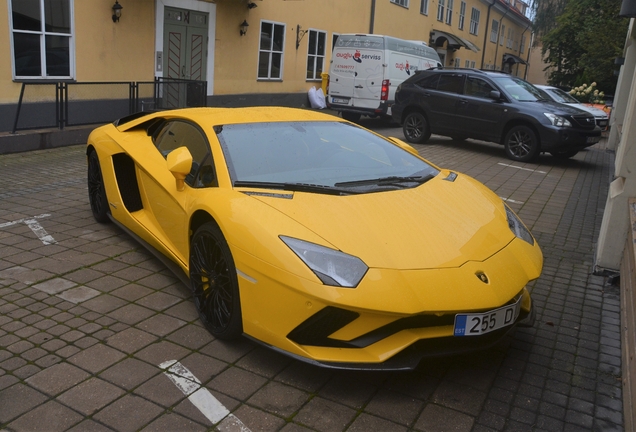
[294, 187]
[387, 181]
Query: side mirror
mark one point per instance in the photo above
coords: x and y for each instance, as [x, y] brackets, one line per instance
[404, 146]
[494, 94]
[179, 163]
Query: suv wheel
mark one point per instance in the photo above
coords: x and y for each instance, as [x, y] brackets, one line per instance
[521, 144]
[416, 128]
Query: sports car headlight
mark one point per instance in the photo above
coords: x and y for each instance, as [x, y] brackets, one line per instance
[332, 267]
[558, 120]
[517, 227]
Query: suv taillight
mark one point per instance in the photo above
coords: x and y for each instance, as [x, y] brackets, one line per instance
[385, 90]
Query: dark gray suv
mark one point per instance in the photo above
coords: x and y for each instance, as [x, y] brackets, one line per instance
[491, 106]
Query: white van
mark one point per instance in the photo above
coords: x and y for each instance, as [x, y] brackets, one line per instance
[366, 69]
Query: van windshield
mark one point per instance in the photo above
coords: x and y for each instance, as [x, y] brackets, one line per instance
[360, 41]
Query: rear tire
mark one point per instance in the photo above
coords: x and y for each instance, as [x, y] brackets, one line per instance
[415, 128]
[96, 190]
[521, 144]
[351, 116]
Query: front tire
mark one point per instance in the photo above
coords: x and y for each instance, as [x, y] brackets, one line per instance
[96, 190]
[214, 283]
[521, 144]
[415, 128]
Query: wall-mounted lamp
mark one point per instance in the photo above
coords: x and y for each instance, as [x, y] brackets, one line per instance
[117, 11]
[244, 26]
[251, 5]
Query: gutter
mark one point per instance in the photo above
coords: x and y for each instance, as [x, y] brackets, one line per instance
[483, 54]
[372, 17]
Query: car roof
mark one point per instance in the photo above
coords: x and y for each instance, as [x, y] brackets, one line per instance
[223, 116]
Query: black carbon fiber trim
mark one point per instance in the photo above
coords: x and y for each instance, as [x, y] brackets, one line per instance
[315, 331]
[127, 182]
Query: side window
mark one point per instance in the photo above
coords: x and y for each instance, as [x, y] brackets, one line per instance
[175, 134]
[477, 87]
[429, 82]
[451, 83]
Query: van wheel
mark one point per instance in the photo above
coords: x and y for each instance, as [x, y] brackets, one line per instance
[350, 116]
[416, 128]
[521, 144]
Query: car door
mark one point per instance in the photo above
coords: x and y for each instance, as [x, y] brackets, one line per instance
[165, 214]
[444, 101]
[479, 114]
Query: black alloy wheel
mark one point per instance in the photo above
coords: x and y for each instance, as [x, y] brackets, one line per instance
[521, 144]
[415, 128]
[96, 190]
[214, 283]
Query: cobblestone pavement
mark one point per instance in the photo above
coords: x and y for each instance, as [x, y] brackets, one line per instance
[87, 316]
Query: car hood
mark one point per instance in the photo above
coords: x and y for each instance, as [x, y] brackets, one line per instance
[592, 110]
[438, 224]
[561, 109]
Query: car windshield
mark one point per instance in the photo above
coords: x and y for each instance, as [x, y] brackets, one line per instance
[323, 154]
[519, 89]
[561, 96]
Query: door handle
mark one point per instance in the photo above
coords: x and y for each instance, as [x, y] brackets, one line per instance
[359, 86]
[183, 71]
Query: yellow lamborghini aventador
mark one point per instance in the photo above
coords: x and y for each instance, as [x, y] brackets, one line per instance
[315, 236]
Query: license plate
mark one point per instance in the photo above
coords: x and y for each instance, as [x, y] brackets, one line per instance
[602, 123]
[478, 324]
[593, 140]
[340, 100]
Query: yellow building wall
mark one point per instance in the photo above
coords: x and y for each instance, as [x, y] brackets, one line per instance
[9, 91]
[536, 72]
[104, 51]
[236, 57]
[107, 51]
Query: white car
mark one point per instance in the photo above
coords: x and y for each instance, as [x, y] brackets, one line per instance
[558, 95]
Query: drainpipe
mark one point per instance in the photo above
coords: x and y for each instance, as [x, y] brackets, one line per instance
[528, 56]
[483, 54]
[372, 16]
[498, 33]
[526, 73]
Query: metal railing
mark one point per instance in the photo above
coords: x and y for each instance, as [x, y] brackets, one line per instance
[61, 104]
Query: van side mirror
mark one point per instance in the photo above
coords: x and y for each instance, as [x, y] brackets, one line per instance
[494, 94]
[179, 163]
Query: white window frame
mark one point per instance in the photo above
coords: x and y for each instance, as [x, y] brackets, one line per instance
[403, 3]
[467, 64]
[472, 64]
[474, 21]
[462, 15]
[457, 63]
[317, 75]
[510, 38]
[42, 33]
[424, 7]
[449, 12]
[494, 31]
[440, 10]
[502, 34]
[271, 51]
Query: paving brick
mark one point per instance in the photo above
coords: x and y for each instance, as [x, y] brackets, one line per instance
[90, 396]
[57, 378]
[129, 413]
[131, 340]
[129, 373]
[160, 324]
[279, 399]
[323, 414]
[174, 422]
[191, 336]
[96, 358]
[237, 383]
[58, 418]
[17, 400]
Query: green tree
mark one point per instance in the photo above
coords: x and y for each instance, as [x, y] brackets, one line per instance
[581, 43]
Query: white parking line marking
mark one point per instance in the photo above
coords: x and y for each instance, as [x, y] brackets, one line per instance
[521, 168]
[200, 396]
[511, 201]
[35, 227]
